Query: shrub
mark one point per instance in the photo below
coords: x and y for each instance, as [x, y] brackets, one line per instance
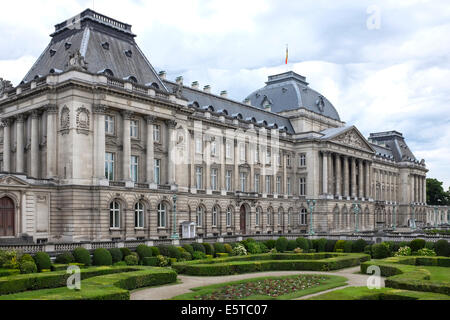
[339, 245]
[359, 245]
[83, 256]
[151, 261]
[270, 244]
[116, 254]
[131, 260]
[143, 251]
[42, 260]
[281, 244]
[163, 250]
[209, 250]
[292, 244]
[163, 261]
[155, 251]
[228, 248]
[429, 245]
[417, 244]
[102, 257]
[380, 251]
[222, 255]
[239, 250]
[198, 255]
[302, 243]
[442, 248]
[120, 264]
[26, 257]
[403, 252]
[185, 256]
[173, 252]
[393, 246]
[368, 250]
[339, 250]
[125, 252]
[348, 246]
[426, 253]
[9, 260]
[27, 267]
[321, 245]
[219, 248]
[65, 258]
[298, 250]
[189, 248]
[198, 247]
[330, 245]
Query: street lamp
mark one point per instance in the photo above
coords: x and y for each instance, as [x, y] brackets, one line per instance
[174, 229]
[311, 205]
[356, 210]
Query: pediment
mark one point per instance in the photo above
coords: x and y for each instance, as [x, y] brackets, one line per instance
[353, 138]
[12, 181]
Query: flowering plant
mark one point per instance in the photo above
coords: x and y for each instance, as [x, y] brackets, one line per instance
[425, 252]
[239, 250]
[403, 251]
[298, 250]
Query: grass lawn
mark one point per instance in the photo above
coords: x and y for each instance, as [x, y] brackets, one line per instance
[363, 293]
[266, 288]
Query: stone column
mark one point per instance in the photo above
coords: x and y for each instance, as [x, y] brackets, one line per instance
[236, 165]
[325, 172]
[126, 146]
[424, 190]
[150, 152]
[52, 116]
[20, 146]
[368, 181]
[360, 179]
[395, 187]
[331, 190]
[338, 175]
[6, 145]
[353, 177]
[34, 159]
[171, 125]
[346, 177]
[99, 143]
[415, 188]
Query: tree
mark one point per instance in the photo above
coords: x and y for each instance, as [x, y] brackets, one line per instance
[436, 194]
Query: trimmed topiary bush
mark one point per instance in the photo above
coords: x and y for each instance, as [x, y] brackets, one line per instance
[340, 244]
[26, 257]
[442, 248]
[102, 257]
[281, 244]
[82, 256]
[27, 267]
[429, 245]
[143, 251]
[321, 245]
[209, 250]
[270, 244]
[348, 246]
[163, 250]
[155, 251]
[303, 243]
[330, 245]
[380, 251]
[359, 245]
[292, 245]
[131, 260]
[116, 255]
[219, 248]
[188, 248]
[65, 258]
[198, 255]
[42, 260]
[228, 248]
[198, 247]
[173, 252]
[125, 252]
[186, 256]
[151, 261]
[417, 244]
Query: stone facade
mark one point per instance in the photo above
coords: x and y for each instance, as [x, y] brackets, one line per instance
[89, 154]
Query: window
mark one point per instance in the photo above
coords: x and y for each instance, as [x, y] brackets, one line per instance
[228, 180]
[268, 156]
[257, 154]
[134, 168]
[200, 212]
[288, 160]
[214, 148]
[139, 215]
[214, 216]
[268, 184]
[269, 217]
[134, 129]
[157, 171]
[109, 166]
[229, 215]
[278, 185]
[302, 160]
[279, 216]
[157, 133]
[303, 217]
[257, 182]
[243, 176]
[162, 215]
[114, 215]
[214, 179]
[278, 159]
[242, 152]
[302, 187]
[289, 217]
[288, 182]
[199, 177]
[228, 150]
[109, 125]
[258, 216]
[198, 146]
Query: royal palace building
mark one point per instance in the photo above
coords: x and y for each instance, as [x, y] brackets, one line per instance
[96, 145]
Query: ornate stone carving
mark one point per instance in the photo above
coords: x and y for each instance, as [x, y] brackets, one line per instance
[150, 119]
[51, 108]
[4, 86]
[127, 115]
[5, 122]
[99, 109]
[35, 114]
[83, 121]
[76, 62]
[352, 139]
[20, 118]
[171, 124]
[65, 120]
[178, 90]
[320, 103]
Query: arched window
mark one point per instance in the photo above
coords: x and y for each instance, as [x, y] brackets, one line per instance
[215, 213]
[114, 215]
[229, 216]
[269, 217]
[139, 215]
[162, 215]
[200, 212]
[258, 216]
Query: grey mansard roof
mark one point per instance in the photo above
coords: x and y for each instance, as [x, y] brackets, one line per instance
[290, 91]
[392, 144]
[107, 45]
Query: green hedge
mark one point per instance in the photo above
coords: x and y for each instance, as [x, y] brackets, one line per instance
[8, 272]
[151, 261]
[64, 266]
[42, 261]
[102, 257]
[83, 256]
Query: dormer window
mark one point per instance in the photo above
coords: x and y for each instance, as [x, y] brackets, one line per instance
[129, 53]
[52, 52]
[105, 45]
[67, 45]
[131, 79]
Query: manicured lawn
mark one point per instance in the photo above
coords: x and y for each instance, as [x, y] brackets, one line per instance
[266, 288]
[363, 293]
[438, 273]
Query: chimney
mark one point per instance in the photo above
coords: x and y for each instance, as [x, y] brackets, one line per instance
[207, 89]
[179, 80]
[162, 75]
[224, 94]
[195, 85]
[248, 102]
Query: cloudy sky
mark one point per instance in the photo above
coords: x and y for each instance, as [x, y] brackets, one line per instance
[385, 65]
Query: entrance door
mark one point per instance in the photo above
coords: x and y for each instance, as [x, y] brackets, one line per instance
[243, 220]
[6, 217]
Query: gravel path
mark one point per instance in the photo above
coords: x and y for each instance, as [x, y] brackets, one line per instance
[189, 282]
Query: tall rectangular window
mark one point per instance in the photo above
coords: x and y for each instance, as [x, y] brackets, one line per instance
[268, 156]
[199, 178]
[198, 146]
[302, 187]
[257, 154]
[228, 150]
[302, 160]
[242, 152]
[228, 175]
[268, 185]
[288, 160]
[157, 171]
[157, 133]
[134, 129]
[278, 185]
[289, 190]
[278, 159]
[214, 179]
[109, 166]
[213, 148]
[257, 183]
[243, 176]
[134, 168]
[109, 125]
